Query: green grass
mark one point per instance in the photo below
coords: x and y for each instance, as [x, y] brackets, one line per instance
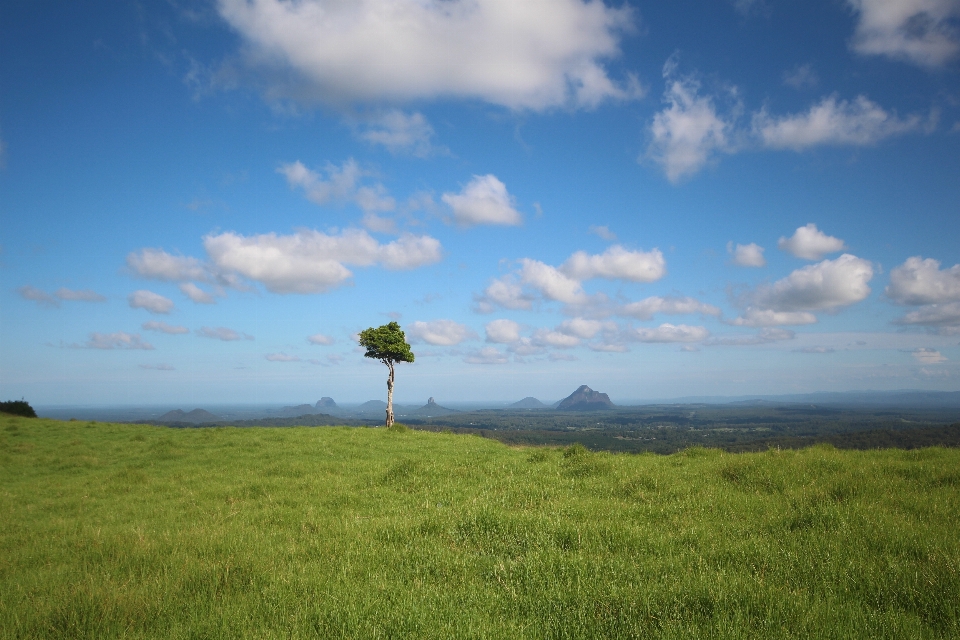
[133, 531]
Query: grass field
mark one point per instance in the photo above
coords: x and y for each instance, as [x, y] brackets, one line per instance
[135, 531]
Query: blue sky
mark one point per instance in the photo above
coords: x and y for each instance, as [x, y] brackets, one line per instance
[205, 201]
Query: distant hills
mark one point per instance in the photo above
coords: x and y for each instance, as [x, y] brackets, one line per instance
[433, 409]
[585, 399]
[528, 403]
[195, 416]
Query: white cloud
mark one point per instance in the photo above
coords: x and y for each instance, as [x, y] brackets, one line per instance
[822, 286]
[313, 262]
[502, 292]
[152, 302]
[603, 232]
[378, 224]
[85, 295]
[561, 357]
[222, 333]
[528, 55]
[753, 317]
[810, 243]
[486, 355]
[689, 132]
[928, 356]
[160, 265]
[342, 185]
[616, 263]
[401, 133]
[281, 357]
[581, 327]
[923, 32]
[918, 281]
[832, 122]
[484, 200]
[118, 340]
[503, 331]
[801, 77]
[440, 332]
[816, 350]
[646, 308]
[746, 255]
[551, 283]
[556, 339]
[196, 294]
[946, 316]
[320, 339]
[669, 333]
[42, 298]
[163, 327]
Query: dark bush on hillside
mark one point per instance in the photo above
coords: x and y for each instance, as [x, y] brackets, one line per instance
[18, 408]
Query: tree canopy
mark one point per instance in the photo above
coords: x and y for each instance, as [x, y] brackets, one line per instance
[386, 343]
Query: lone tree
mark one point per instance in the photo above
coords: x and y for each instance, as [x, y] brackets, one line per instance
[388, 345]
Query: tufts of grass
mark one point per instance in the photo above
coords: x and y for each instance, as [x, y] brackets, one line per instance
[132, 531]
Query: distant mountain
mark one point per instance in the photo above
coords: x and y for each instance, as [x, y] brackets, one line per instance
[585, 399]
[326, 404]
[433, 409]
[528, 403]
[195, 416]
[299, 410]
[370, 407]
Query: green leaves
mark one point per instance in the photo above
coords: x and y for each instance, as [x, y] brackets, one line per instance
[386, 343]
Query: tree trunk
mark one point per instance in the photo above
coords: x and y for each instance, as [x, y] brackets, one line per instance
[390, 396]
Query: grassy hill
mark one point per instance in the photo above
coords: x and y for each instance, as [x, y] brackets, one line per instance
[136, 531]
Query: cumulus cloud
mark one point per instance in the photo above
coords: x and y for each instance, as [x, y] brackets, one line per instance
[918, 281]
[281, 357]
[502, 292]
[551, 282]
[529, 55]
[669, 333]
[157, 264]
[923, 32]
[753, 317]
[581, 327]
[152, 302]
[342, 184]
[556, 339]
[502, 331]
[42, 298]
[928, 356]
[196, 294]
[832, 122]
[401, 133]
[163, 327]
[810, 243]
[746, 255]
[646, 308]
[689, 131]
[118, 340]
[222, 333]
[320, 339]
[440, 332]
[309, 261]
[616, 263]
[945, 316]
[486, 355]
[815, 350]
[826, 285]
[484, 200]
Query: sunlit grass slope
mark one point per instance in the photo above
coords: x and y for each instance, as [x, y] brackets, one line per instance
[133, 531]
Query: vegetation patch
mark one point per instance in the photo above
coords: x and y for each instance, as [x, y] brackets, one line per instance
[135, 531]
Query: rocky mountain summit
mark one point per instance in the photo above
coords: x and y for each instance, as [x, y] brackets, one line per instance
[585, 399]
[433, 409]
[326, 404]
